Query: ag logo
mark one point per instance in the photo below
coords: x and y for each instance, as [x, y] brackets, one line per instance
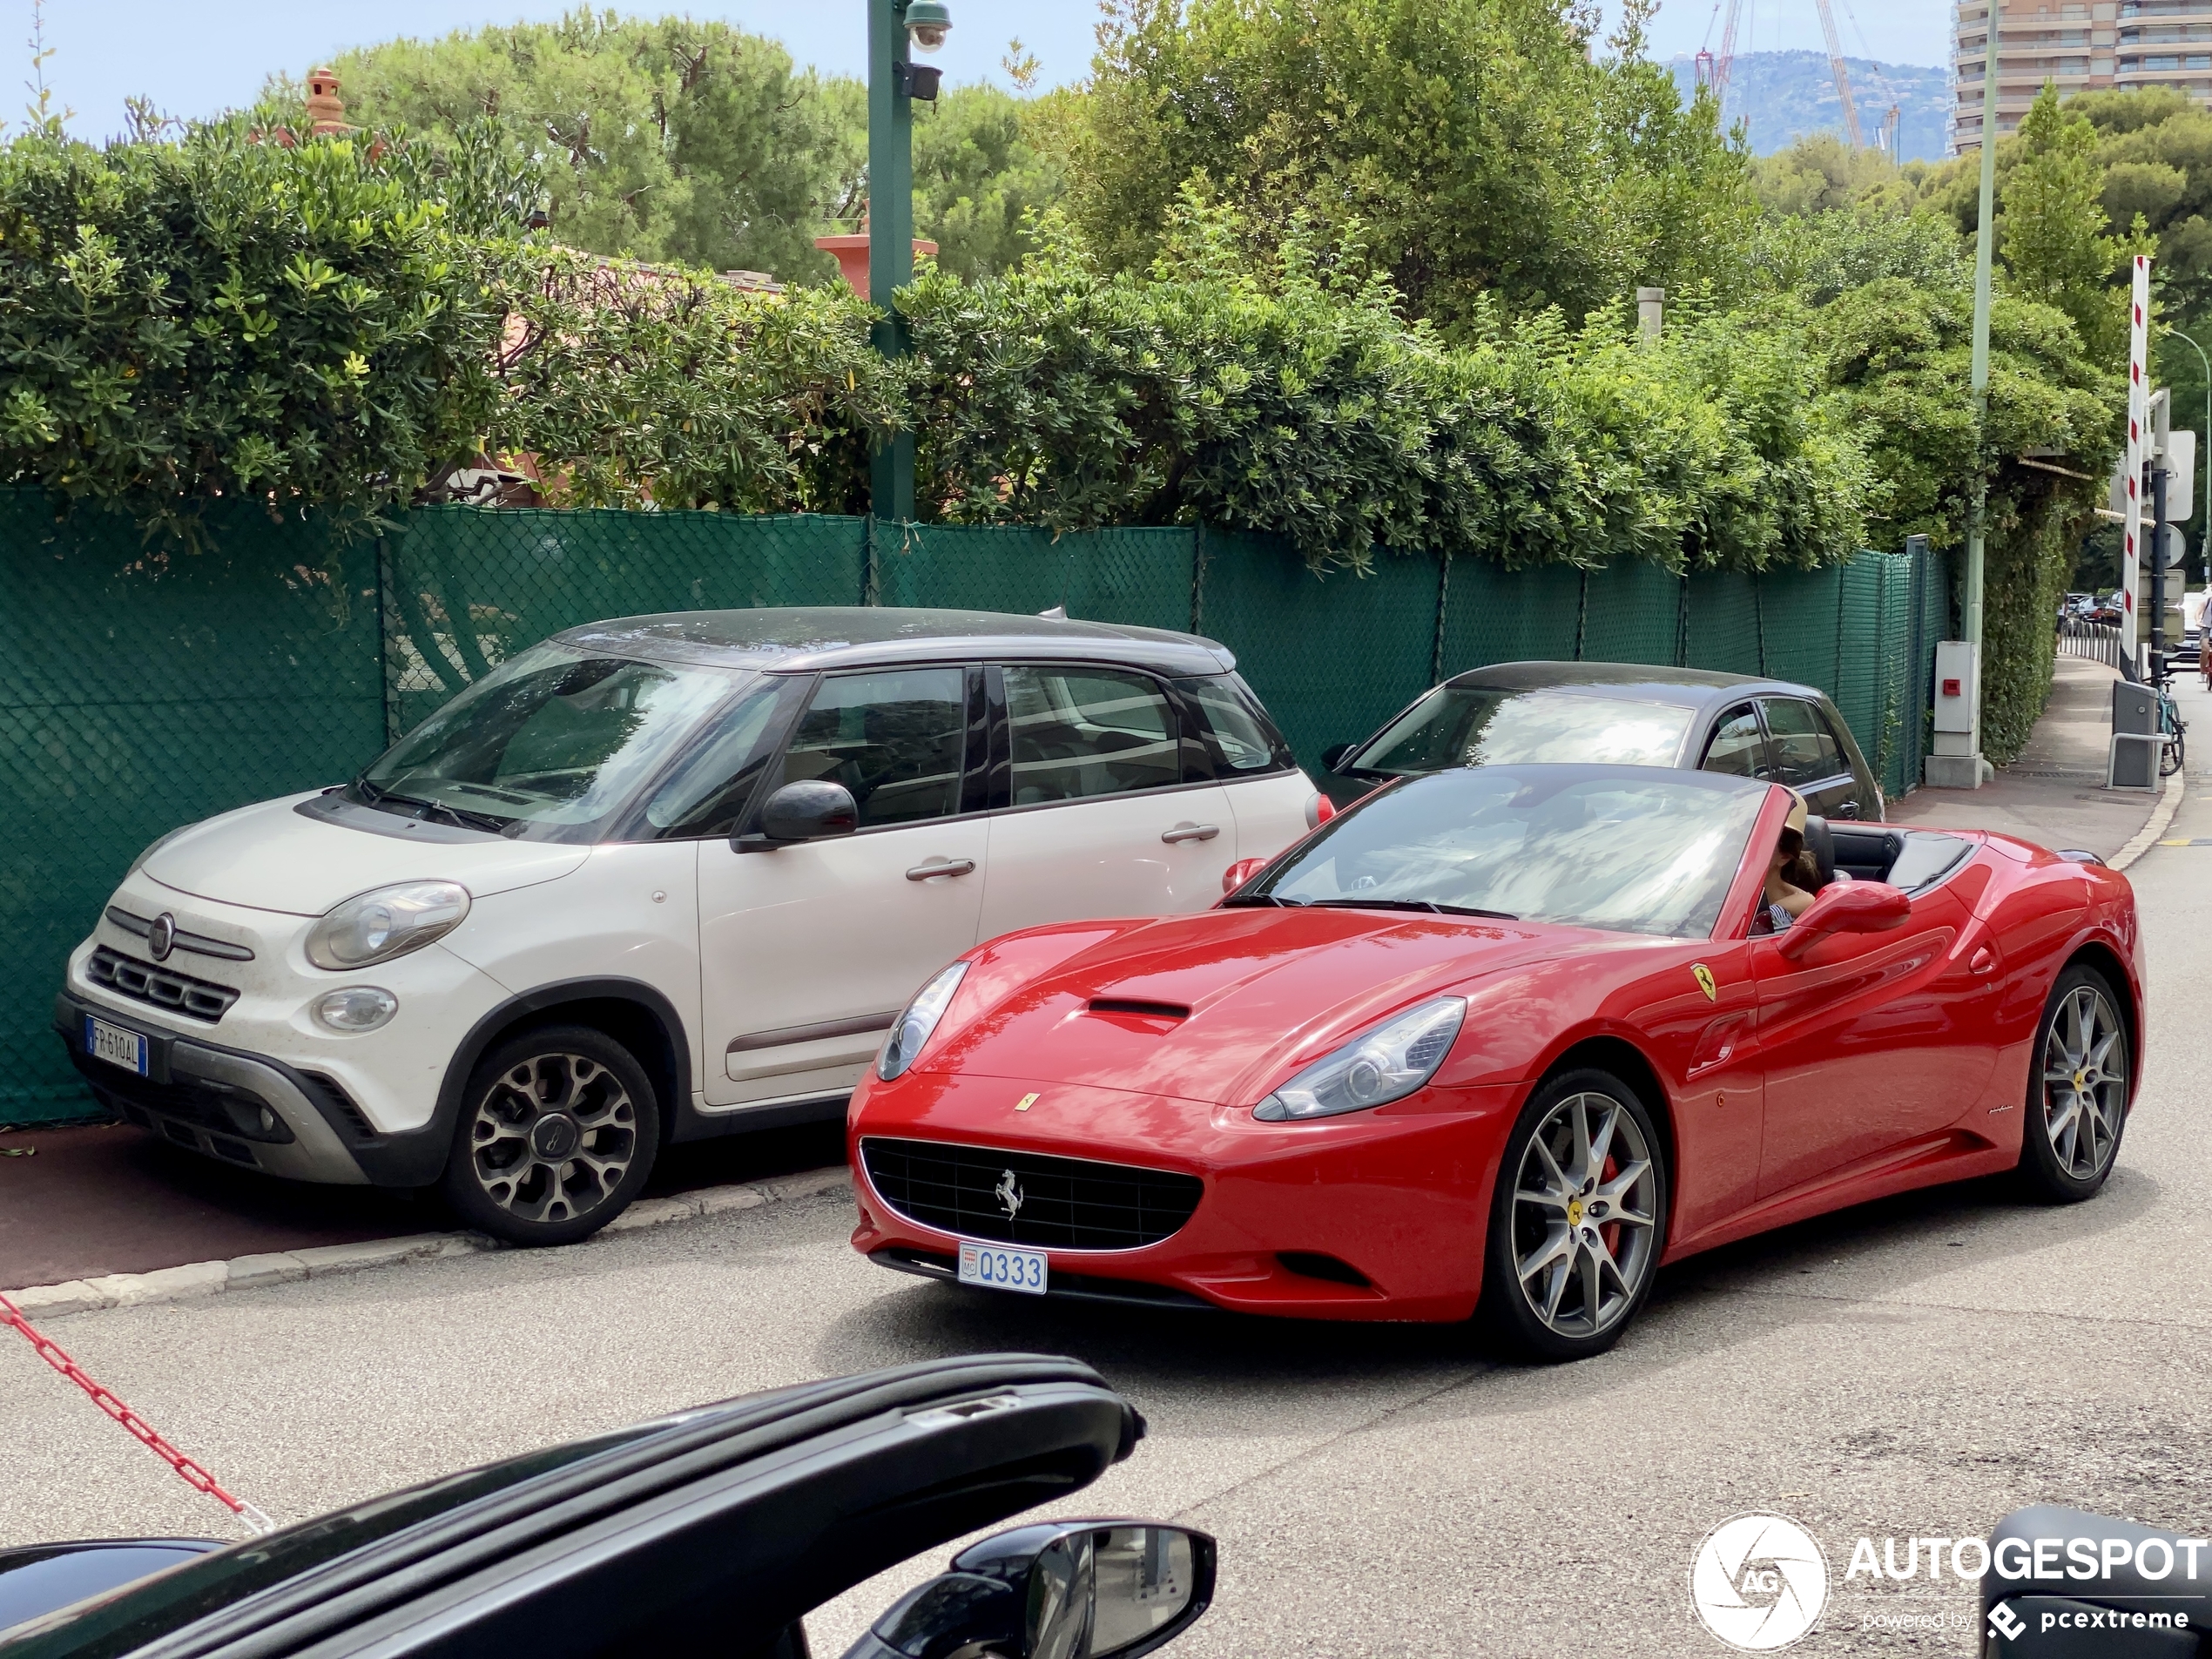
[1704, 976]
[1758, 1582]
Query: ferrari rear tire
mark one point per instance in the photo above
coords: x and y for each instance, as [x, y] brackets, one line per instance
[2077, 1090]
[1578, 1222]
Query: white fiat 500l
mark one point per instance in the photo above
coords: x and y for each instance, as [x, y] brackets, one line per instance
[657, 880]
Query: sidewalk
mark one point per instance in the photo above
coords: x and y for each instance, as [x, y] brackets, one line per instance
[2054, 794]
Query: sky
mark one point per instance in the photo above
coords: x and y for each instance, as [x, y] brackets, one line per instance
[194, 58]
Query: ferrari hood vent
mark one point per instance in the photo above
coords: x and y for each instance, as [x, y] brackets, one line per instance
[1140, 1005]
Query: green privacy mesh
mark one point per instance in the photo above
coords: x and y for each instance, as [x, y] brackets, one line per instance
[140, 692]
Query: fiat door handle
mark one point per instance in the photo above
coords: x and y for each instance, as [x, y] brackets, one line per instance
[942, 866]
[1191, 833]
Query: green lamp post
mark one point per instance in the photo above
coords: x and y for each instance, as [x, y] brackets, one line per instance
[896, 28]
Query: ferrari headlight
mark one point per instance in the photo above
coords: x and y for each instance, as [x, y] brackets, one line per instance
[918, 1022]
[1388, 1063]
[391, 922]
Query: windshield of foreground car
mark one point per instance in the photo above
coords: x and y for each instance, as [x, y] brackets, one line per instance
[550, 739]
[1478, 725]
[1628, 850]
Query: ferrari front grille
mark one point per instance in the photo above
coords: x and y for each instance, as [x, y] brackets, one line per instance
[1024, 1199]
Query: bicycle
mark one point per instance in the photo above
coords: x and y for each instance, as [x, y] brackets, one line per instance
[2171, 726]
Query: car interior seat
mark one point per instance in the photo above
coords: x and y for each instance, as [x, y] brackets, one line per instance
[1820, 841]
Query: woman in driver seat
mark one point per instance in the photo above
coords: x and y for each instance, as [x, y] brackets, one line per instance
[1790, 875]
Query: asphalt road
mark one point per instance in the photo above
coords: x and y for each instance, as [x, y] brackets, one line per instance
[1909, 1369]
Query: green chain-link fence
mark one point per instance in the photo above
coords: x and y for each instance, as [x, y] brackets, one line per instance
[141, 692]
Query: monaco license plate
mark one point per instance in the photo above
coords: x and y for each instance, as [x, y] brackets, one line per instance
[998, 1268]
[115, 1045]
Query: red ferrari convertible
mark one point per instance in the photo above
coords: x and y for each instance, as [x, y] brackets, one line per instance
[1510, 1036]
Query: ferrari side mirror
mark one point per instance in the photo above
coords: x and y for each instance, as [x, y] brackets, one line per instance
[1082, 1590]
[1239, 873]
[809, 812]
[1848, 907]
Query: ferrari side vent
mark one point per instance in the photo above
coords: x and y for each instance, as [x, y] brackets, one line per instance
[1138, 1005]
[1312, 1263]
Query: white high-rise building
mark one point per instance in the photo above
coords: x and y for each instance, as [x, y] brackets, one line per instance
[2078, 44]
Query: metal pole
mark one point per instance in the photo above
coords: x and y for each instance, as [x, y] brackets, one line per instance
[1985, 250]
[2204, 530]
[891, 230]
[2158, 571]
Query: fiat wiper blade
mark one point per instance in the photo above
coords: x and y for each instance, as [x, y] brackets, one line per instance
[1424, 906]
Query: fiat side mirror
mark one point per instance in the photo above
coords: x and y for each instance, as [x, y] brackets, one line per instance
[1334, 755]
[808, 812]
[1847, 907]
[1079, 1589]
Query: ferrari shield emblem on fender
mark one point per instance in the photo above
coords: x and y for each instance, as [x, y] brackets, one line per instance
[1704, 976]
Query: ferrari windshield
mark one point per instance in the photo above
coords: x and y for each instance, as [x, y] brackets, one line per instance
[1487, 725]
[552, 738]
[1629, 849]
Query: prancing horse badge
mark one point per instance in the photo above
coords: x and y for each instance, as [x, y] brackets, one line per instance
[1025, 1103]
[1704, 976]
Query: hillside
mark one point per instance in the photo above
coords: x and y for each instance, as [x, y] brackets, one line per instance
[1783, 96]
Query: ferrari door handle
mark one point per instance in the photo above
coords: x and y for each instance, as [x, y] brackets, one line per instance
[1188, 831]
[942, 866]
[1982, 960]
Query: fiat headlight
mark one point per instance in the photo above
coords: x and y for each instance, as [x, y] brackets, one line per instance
[1388, 1063]
[918, 1022]
[391, 922]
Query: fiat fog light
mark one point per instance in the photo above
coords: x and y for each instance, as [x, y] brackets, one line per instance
[375, 926]
[918, 1022]
[1388, 1063]
[356, 1008]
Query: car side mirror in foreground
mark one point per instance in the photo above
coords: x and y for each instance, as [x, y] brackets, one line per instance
[1848, 907]
[808, 812]
[1239, 873]
[1077, 1590]
[1334, 755]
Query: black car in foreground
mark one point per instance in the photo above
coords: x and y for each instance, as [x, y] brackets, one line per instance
[1633, 714]
[714, 1531]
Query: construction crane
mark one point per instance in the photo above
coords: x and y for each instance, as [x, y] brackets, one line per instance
[1712, 68]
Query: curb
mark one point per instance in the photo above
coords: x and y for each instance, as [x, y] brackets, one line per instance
[326, 1261]
[2169, 802]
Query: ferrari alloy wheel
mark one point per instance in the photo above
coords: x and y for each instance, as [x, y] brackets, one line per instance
[2077, 1099]
[1579, 1221]
[557, 1132]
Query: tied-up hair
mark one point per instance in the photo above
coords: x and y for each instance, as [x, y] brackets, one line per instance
[1798, 869]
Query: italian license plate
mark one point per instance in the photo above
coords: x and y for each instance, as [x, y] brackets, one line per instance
[115, 1045]
[998, 1268]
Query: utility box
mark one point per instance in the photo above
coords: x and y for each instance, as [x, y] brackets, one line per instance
[2134, 709]
[2135, 746]
[1958, 688]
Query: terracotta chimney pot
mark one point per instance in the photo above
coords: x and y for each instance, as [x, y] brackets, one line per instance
[326, 110]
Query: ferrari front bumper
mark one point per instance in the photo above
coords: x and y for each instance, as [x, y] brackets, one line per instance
[1378, 1215]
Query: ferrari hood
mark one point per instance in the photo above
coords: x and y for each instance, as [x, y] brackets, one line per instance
[1212, 1007]
[271, 857]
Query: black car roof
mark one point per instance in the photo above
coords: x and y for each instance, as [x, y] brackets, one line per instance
[1645, 682]
[806, 638]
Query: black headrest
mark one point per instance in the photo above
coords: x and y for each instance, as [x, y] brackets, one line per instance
[1821, 843]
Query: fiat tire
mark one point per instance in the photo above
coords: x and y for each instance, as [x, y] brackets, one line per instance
[557, 1133]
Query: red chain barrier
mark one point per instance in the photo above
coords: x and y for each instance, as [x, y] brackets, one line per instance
[192, 1475]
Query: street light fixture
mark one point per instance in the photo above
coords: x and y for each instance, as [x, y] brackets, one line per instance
[926, 22]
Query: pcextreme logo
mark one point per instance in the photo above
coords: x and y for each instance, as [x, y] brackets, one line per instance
[1758, 1582]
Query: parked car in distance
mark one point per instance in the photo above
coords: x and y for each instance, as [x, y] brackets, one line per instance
[711, 1532]
[1506, 1038]
[1622, 714]
[2077, 604]
[656, 880]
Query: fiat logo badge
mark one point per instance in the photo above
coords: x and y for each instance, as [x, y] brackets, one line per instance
[161, 938]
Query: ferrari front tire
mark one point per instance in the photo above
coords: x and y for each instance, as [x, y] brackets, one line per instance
[1578, 1222]
[2077, 1095]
